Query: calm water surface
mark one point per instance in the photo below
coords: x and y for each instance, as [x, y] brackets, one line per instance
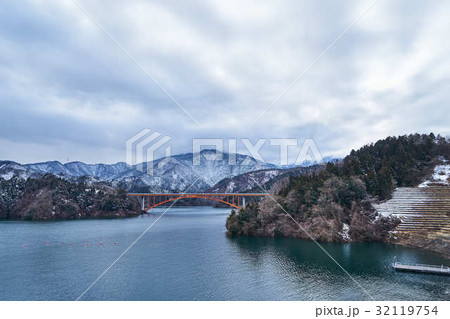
[187, 256]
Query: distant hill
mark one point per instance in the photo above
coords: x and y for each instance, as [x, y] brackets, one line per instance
[48, 197]
[268, 178]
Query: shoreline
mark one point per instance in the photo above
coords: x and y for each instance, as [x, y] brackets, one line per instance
[445, 255]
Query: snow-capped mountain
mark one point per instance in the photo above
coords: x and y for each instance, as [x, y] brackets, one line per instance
[77, 169]
[176, 175]
[9, 169]
[265, 178]
[246, 182]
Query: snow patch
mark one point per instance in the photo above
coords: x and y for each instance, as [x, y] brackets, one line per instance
[7, 176]
[344, 233]
[440, 176]
[230, 187]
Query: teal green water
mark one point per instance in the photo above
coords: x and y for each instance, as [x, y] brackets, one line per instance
[187, 256]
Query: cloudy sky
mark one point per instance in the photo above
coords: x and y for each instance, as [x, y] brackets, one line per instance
[69, 92]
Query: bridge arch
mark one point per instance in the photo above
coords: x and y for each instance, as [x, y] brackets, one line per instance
[174, 198]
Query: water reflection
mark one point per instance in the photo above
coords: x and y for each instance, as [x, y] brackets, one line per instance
[319, 277]
[187, 256]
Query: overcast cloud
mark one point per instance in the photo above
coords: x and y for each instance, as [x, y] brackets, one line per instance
[68, 92]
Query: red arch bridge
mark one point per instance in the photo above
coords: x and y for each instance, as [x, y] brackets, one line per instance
[235, 200]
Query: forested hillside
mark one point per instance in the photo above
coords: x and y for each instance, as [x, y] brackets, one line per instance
[50, 198]
[395, 161]
[335, 204]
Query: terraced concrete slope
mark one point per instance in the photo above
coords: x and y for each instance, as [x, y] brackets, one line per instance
[419, 208]
[425, 215]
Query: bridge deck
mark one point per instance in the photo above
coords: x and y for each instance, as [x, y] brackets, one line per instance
[205, 194]
[235, 200]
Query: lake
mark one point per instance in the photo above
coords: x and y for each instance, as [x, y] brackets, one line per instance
[186, 255]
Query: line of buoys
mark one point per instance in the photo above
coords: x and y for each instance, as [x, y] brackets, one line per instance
[70, 244]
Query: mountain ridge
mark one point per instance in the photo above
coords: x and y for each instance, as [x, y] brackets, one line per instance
[177, 175]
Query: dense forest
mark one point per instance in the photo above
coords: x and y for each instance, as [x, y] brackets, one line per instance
[395, 161]
[50, 197]
[334, 204]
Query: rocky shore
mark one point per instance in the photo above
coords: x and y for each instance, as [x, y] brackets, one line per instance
[438, 242]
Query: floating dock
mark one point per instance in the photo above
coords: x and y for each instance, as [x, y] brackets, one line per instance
[427, 269]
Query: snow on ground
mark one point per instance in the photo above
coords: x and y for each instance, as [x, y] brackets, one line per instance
[441, 176]
[230, 187]
[344, 232]
[7, 176]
